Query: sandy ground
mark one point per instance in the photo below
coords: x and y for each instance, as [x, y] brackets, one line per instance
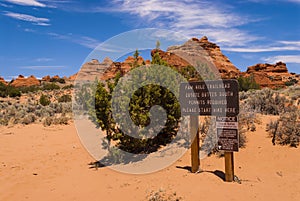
[38, 163]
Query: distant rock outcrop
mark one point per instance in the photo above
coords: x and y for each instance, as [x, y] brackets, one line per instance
[46, 78]
[122, 67]
[268, 68]
[72, 77]
[3, 81]
[93, 69]
[21, 81]
[270, 75]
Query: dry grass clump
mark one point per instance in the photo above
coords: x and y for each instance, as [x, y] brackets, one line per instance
[163, 195]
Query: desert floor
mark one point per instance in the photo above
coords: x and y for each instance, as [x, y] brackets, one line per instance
[49, 163]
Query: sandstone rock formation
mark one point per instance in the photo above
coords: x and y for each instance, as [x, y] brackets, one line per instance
[72, 77]
[3, 81]
[46, 78]
[21, 81]
[270, 75]
[123, 67]
[208, 53]
[93, 69]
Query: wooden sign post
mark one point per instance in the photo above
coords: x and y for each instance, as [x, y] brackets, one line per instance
[194, 144]
[229, 166]
[218, 98]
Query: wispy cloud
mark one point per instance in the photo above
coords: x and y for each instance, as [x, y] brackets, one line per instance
[43, 59]
[28, 18]
[81, 40]
[27, 3]
[279, 46]
[283, 58]
[193, 18]
[42, 67]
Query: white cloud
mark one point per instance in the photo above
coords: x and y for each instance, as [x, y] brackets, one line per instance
[43, 59]
[41, 67]
[81, 40]
[279, 46]
[192, 18]
[27, 3]
[283, 58]
[28, 18]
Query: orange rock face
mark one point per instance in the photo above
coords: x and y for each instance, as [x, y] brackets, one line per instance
[171, 58]
[21, 81]
[224, 65]
[270, 75]
[3, 81]
[46, 78]
[72, 77]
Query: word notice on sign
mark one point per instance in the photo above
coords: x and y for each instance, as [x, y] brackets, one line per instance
[227, 131]
[214, 97]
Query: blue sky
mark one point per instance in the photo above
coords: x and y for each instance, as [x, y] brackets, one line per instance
[44, 37]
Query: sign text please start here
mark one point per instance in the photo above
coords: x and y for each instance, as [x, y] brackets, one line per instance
[215, 97]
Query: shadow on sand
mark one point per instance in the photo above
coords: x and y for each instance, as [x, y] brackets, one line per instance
[217, 173]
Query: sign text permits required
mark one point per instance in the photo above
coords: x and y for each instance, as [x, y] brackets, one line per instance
[213, 97]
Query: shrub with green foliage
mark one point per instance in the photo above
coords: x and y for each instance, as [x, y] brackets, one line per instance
[44, 100]
[291, 82]
[70, 86]
[50, 86]
[247, 83]
[65, 98]
[9, 91]
[59, 80]
[139, 109]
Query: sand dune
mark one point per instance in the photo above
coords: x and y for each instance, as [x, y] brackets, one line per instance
[49, 163]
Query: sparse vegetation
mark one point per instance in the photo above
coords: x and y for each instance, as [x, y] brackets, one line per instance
[65, 98]
[163, 195]
[8, 90]
[44, 100]
[247, 83]
[50, 86]
[286, 130]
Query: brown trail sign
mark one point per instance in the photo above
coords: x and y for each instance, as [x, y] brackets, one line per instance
[218, 98]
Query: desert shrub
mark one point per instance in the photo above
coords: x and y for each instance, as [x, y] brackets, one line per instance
[66, 107]
[208, 135]
[50, 86]
[47, 121]
[28, 119]
[44, 100]
[291, 82]
[59, 80]
[65, 98]
[286, 130]
[247, 83]
[29, 89]
[243, 95]
[266, 101]
[9, 91]
[71, 86]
